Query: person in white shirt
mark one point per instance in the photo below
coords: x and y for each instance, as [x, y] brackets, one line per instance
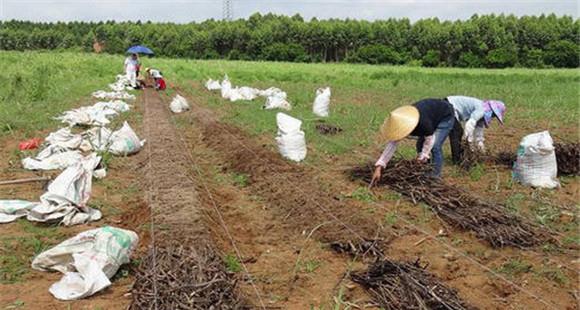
[131, 68]
[476, 114]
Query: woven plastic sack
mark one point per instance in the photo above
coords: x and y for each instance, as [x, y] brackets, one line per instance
[536, 162]
[322, 102]
[291, 140]
[89, 260]
[179, 104]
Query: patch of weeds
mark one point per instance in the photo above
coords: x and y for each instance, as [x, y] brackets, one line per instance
[513, 203]
[339, 302]
[551, 248]
[457, 241]
[392, 196]
[427, 213]
[515, 267]
[571, 240]
[554, 274]
[391, 218]
[104, 207]
[15, 305]
[232, 263]
[240, 179]
[362, 194]
[546, 215]
[310, 266]
[476, 172]
[106, 158]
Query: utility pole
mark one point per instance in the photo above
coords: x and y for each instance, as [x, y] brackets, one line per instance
[228, 10]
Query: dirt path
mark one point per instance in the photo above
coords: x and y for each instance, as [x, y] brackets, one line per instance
[182, 267]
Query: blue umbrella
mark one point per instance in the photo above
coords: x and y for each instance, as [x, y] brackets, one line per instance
[138, 49]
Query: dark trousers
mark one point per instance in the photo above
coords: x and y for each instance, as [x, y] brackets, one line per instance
[455, 137]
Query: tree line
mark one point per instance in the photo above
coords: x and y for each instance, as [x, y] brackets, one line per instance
[489, 41]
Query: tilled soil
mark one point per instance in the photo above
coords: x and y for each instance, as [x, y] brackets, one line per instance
[294, 193]
[179, 236]
[296, 197]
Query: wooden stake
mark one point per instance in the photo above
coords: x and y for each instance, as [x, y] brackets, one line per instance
[20, 181]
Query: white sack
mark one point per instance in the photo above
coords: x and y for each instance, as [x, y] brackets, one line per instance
[121, 84]
[89, 260]
[322, 102]
[64, 138]
[290, 139]
[51, 158]
[270, 92]
[213, 85]
[11, 210]
[536, 163]
[179, 104]
[226, 88]
[115, 105]
[88, 116]
[277, 101]
[247, 93]
[67, 196]
[101, 94]
[125, 141]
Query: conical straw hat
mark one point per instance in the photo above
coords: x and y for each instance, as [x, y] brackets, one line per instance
[400, 123]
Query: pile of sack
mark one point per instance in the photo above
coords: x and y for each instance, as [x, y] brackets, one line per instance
[92, 258]
[275, 97]
[290, 139]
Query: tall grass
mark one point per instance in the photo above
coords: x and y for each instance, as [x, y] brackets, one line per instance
[36, 86]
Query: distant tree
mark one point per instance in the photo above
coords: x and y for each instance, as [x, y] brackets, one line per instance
[376, 54]
[501, 58]
[432, 59]
[562, 54]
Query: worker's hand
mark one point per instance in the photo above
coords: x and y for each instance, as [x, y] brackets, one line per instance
[376, 176]
[481, 146]
[422, 159]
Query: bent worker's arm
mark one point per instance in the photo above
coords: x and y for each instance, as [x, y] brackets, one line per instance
[473, 123]
[427, 147]
[388, 153]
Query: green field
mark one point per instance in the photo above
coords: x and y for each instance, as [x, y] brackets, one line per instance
[40, 85]
[362, 95]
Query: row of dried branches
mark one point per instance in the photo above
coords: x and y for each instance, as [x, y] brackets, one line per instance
[490, 221]
[184, 277]
[396, 285]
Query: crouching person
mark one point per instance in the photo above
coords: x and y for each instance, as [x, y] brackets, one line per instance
[430, 120]
[157, 78]
[476, 114]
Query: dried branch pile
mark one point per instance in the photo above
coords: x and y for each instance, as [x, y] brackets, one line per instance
[407, 286]
[327, 129]
[179, 277]
[491, 222]
[506, 158]
[470, 156]
[362, 249]
[568, 158]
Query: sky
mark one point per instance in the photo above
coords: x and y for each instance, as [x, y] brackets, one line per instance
[183, 11]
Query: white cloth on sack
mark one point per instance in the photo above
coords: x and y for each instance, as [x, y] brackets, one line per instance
[290, 139]
[536, 162]
[88, 261]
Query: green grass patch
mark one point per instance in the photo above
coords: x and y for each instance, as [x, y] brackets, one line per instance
[232, 263]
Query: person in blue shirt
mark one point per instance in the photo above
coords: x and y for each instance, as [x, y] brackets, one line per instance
[476, 114]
